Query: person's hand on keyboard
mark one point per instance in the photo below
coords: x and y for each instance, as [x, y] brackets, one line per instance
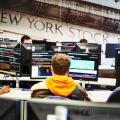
[4, 89]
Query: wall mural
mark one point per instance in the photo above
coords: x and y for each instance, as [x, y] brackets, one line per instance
[62, 20]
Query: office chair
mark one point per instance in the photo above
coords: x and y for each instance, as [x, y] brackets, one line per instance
[114, 96]
[57, 98]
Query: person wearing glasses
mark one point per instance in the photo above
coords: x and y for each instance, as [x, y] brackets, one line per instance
[26, 40]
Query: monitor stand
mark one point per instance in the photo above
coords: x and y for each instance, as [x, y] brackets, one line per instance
[17, 84]
[87, 50]
[113, 62]
[83, 83]
[59, 48]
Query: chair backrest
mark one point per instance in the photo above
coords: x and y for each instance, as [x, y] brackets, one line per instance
[57, 98]
[114, 96]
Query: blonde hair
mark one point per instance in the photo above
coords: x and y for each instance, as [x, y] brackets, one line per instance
[60, 64]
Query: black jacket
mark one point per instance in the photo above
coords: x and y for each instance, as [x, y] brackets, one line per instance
[79, 93]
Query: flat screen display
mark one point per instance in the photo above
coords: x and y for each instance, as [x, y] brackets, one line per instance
[10, 61]
[1, 39]
[110, 50]
[69, 43]
[89, 48]
[9, 44]
[10, 40]
[10, 109]
[83, 66]
[63, 48]
[39, 109]
[6, 39]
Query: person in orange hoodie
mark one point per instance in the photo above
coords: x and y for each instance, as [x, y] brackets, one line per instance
[59, 84]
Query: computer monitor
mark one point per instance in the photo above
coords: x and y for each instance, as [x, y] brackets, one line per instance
[10, 109]
[63, 48]
[48, 44]
[117, 57]
[69, 43]
[1, 39]
[26, 50]
[89, 48]
[117, 66]
[110, 49]
[83, 66]
[10, 61]
[10, 40]
[38, 42]
[40, 64]
[6, 39]
[9, 44]
[39, 109]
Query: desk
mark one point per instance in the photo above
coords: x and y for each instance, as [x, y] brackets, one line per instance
[101, 81]
[99, 96]
[106, 71]
[107, 80]
[106, 67]
[96, 96]
[17, 93]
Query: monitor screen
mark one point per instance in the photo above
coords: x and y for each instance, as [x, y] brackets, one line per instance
[1, 39]
[39, 109]
[117, 57]
[89, 48]
[9, 44]
[69, 43]
[48, 44]
[110, 50]
[10, 61]
[117, 66]
[10, 40]
[6, 39]
[63, 48]
[38, 42]
[9, 109]
[83, 66]
[26, 51]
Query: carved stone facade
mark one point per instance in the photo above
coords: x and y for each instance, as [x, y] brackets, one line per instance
[76, 12]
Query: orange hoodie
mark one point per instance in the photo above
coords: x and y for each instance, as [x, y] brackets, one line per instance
[61, 85]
